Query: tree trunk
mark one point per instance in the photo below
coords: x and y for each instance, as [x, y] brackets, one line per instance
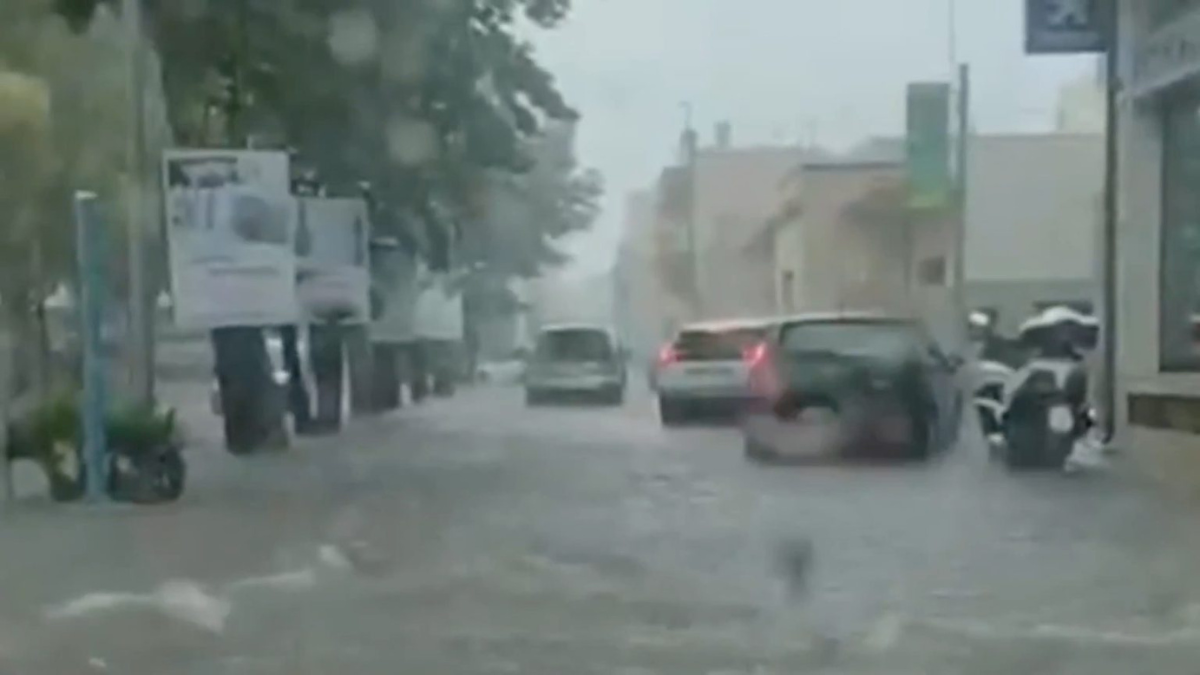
[418, 370]
[297, 389]
[326, 356]
[358, 355]
[250, 399]
[386, 378]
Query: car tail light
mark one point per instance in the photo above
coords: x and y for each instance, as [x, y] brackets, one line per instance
[763, 378]
[667, 355]
[756, 354]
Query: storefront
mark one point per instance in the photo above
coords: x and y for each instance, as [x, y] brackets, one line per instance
[1158, 244]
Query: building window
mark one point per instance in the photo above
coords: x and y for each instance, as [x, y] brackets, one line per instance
[1179, 281]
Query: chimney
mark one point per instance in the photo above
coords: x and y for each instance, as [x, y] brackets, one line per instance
[724, 135]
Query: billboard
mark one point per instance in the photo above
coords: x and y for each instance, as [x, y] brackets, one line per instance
[333, 277]
[394, 292]
[230, 235]
[927, 145]
[1066, 26]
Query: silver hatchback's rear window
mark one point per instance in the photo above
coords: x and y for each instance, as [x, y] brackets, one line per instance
[574, 344]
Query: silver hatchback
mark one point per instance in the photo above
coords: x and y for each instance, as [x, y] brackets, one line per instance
[575, 361]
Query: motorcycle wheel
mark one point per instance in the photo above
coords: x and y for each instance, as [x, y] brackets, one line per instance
[154, 479]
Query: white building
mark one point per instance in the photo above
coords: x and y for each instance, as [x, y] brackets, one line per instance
[1158, 243]
[1033, 222]
[1080, 108]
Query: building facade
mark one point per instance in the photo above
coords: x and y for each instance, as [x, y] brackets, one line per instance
[1033, 223]
[1158, 240]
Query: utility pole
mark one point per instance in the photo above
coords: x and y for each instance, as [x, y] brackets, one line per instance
[1108, 328]
[960, 192]
[141, 314]
[693, 248]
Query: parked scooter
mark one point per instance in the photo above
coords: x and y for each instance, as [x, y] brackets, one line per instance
[996, 359]
[1044, 409]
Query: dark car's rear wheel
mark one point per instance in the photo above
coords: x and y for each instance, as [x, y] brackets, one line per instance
[757, 451]
[923, 435]
[670, 411]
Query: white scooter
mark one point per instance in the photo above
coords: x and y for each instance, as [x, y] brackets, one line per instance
[1044, 408]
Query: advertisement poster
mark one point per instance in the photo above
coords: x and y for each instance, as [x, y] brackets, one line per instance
[230, 232]
[333, 280]
[439, 309]
[394, 291]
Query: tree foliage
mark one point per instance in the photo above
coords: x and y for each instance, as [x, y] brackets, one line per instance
[426, 100]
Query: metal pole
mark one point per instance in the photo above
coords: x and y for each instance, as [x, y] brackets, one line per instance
[952, 31]
[689, 159]
[141, 304]
[89, 246]
[961, 158]
[1108, 394]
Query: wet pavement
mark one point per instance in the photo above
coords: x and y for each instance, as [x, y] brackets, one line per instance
[474, 535]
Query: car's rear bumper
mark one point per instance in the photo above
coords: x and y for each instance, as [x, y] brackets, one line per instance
[581, 384]
[878, 434]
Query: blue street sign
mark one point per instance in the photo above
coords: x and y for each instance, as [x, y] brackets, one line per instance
[1065, 26]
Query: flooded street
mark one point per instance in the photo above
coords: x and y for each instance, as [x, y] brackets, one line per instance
[477, 536]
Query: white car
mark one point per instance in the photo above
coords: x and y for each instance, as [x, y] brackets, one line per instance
[704, 370]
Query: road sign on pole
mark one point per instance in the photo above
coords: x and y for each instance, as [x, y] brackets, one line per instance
[1065, 26]
[927, 145]
[89, 244]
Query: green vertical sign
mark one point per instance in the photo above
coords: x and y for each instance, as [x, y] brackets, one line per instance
[928, 145]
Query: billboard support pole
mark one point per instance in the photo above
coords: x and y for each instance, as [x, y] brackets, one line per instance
[1108, 394]
[90, 259]
[960, 194]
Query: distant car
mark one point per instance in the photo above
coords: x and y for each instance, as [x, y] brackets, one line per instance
[507, 372]
[851, 384]
[704, 370]
[572, 361]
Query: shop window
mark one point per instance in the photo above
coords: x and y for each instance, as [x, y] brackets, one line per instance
[1179, 281]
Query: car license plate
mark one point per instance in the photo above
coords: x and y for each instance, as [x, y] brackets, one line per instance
[708, 370]
[1061, 419]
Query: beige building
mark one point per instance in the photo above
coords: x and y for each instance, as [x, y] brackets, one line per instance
[1033, 220]
[712, 238]
[844, 241]
[1080, 106]
[738, 190]
[640, 306]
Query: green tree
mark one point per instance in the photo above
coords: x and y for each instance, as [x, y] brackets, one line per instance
[422, 99]
[64, 125]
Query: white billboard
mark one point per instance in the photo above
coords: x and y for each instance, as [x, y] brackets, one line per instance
[394, 287]
[230, 233]
[333, 279]
[439, 308]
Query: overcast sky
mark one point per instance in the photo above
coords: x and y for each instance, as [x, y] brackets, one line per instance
[779, 71]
